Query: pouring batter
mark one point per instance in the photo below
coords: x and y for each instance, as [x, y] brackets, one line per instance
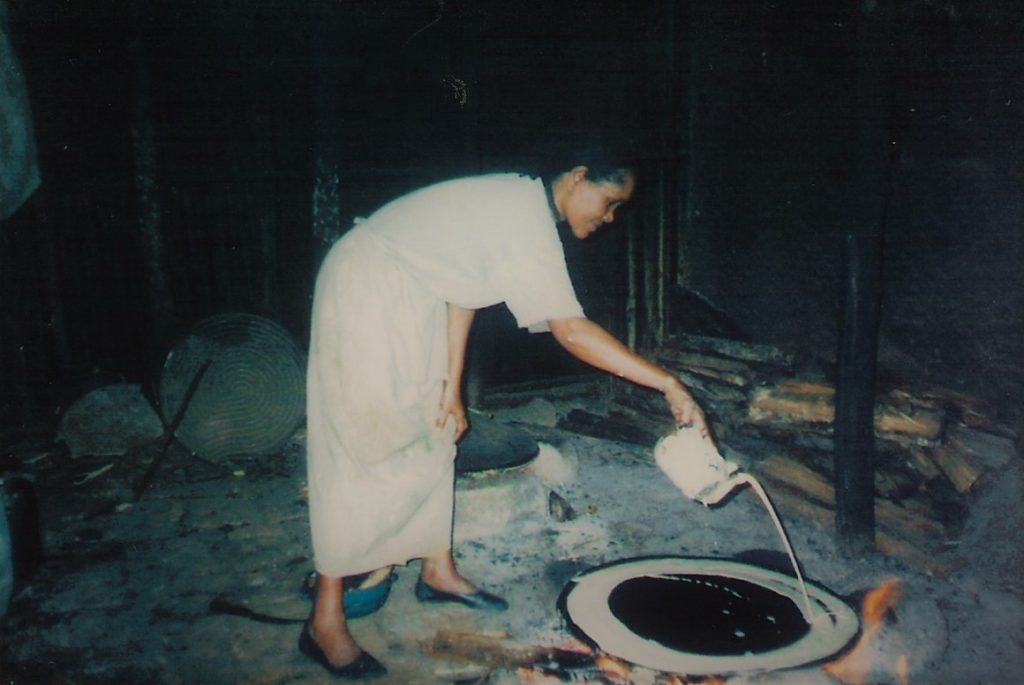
[393, 306]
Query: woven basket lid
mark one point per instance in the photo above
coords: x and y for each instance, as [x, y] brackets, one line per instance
[251, 398]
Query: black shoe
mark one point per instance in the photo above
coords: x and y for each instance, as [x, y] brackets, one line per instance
[484, 601]
[365, 666]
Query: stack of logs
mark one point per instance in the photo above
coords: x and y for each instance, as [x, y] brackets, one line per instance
[933, 446]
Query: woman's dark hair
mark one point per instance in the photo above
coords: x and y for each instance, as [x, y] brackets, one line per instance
[607, 161]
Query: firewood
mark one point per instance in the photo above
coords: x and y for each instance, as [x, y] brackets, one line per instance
[703, 361]
[727, 377]
[705, 389]
[811, 406]
[923, 557]
[789, 474]
[901, 413]
[642, 400]
[726, 370]
[793, 475]
[934, 506]
[496, 651]
[782, 405]
[910, 429]
[656, 425]
[900, 521]
[653, 418]
[798, 387]
[989, 450]
[959, 466]
[890, 484]
[971, 411]
[653, 406]
[748, 352]
[896, 474]
[922, 463]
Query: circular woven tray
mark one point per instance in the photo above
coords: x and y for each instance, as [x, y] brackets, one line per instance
[251, 397]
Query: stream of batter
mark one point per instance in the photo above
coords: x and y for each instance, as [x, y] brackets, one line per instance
[753, 482]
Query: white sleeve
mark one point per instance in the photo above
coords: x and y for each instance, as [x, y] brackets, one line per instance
[537, 288]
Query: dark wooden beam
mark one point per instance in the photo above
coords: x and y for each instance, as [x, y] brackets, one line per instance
[870, 161]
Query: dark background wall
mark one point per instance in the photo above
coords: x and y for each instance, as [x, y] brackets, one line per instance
[264, 127]
[779, 119]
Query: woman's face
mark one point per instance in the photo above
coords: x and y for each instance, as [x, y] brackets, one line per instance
[588, 205]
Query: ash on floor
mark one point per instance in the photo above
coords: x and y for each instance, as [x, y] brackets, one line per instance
[125, 589]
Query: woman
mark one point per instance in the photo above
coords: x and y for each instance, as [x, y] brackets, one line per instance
[393, 307]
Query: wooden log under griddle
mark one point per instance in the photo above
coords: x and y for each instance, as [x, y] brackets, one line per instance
[497, 651]
[486, 649]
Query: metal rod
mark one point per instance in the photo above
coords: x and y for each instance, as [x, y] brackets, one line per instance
[171, 429]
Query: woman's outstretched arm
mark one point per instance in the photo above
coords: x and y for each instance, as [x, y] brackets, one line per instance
[592, 344]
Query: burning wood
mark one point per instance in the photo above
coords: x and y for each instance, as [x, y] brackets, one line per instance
[613, 668]
[529, 675]
[854, 667]
[569, 662]
[571, 658]
[618, 673]
[903, 669]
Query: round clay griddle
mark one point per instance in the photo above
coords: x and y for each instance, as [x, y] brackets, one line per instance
[705, 616]
[251, 397]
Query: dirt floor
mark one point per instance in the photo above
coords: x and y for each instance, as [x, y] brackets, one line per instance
[125, 591]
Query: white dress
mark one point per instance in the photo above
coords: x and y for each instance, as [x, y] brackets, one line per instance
[381, 476]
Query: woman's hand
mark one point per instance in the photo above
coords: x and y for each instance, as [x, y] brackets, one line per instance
[453, 408]
[684, 408]
[459, 322]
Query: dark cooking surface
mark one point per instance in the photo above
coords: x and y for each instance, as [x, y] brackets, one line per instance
[707, 614]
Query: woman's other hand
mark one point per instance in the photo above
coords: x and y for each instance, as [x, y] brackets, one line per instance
[459, 322]
[453, 408]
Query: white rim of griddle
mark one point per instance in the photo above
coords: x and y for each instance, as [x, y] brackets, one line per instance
[834, 626]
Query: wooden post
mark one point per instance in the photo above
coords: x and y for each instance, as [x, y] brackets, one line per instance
[145, 157]
[689, 201]
[855, 398]
[870, 164]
